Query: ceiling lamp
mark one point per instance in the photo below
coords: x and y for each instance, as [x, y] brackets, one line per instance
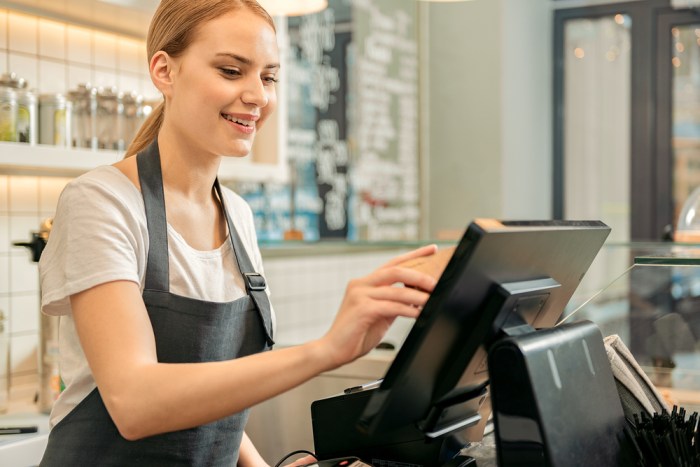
[293, 7]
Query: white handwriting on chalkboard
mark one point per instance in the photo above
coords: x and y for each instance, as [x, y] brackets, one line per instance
[332, 155]
[385, 175]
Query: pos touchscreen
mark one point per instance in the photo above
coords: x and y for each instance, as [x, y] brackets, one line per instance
[442, 362]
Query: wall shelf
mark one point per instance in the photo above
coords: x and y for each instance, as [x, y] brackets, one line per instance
[46, 160]
[23, 159]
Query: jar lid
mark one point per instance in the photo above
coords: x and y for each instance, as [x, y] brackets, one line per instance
[107, 94]
[82, 90]
[131, 97]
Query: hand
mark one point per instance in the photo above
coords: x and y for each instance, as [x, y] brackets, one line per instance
[306, 460]
[372, 303]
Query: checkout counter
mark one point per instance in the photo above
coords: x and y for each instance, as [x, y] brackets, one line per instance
[647, 293]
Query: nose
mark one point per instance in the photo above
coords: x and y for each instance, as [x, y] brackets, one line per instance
[255, 93]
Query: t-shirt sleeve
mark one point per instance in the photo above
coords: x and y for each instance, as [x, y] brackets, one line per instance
[95, 239]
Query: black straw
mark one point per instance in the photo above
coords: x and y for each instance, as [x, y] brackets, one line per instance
[665, 439]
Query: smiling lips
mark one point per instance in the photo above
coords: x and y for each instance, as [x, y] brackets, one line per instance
[244, 123]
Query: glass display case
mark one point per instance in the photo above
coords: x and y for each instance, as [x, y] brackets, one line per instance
[649, 295]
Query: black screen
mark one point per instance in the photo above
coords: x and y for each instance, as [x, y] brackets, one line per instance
[443, 359]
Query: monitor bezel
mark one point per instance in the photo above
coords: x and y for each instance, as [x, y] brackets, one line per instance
[486, 258]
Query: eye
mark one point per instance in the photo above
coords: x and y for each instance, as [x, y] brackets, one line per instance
[270, 80]
[230, 72]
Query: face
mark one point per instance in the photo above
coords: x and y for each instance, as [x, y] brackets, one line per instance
[222, 89]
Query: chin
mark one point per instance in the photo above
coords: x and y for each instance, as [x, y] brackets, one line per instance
[236, 152]
[237, 149]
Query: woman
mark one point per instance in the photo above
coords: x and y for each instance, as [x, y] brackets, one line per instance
[164, 322]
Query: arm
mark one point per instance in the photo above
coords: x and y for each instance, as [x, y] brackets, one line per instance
[249, 456]
[145, 397]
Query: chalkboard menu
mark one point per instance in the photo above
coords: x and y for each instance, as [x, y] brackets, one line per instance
[384, 170]
[352, 129]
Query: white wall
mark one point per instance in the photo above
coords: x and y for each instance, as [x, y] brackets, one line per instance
[526, 109]
[487, 112]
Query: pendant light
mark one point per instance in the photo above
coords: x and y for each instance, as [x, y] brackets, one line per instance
[293, 7]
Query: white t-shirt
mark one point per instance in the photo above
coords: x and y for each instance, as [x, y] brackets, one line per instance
[100, 235]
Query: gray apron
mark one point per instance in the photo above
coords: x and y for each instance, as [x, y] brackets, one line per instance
[186, 330]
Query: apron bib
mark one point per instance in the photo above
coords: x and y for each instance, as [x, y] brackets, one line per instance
[186, 330]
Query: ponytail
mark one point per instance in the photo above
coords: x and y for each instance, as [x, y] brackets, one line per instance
[148, 131]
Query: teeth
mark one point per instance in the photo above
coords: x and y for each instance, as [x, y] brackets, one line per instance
[238, 120]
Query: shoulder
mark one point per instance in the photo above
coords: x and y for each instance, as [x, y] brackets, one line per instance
[99, 204]
[107, 180]
[102, 190]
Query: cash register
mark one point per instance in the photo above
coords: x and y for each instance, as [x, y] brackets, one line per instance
[486, 342]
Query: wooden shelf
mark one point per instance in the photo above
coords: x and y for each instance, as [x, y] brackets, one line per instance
[23, 159]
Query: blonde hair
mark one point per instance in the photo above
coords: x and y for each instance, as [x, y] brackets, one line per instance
[172, 30]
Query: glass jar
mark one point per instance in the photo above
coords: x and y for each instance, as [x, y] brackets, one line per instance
[8, 114]
[27, 119]
[55, 120]
[27, 108]
[84, 116]
[131, 118]
[108, 110]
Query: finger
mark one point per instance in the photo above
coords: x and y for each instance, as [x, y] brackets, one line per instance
[417, 253]
[407, 296]
[390, 309]
[306, 460]
[406, 276]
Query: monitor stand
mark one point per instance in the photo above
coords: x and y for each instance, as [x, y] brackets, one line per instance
[554, 399]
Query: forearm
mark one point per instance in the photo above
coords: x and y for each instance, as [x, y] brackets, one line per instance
[248, 455]
[157, 398]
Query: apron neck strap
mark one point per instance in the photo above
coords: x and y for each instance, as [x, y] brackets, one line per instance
[254, 281]
[151, 180]
[157, 268]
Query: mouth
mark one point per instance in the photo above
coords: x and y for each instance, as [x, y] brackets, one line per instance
[243, 124]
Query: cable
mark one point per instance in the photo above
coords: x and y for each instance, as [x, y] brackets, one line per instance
[300, 451]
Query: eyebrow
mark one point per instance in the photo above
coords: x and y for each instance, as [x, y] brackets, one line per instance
[246, 61]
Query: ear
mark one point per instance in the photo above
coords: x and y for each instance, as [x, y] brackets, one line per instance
[161, 69]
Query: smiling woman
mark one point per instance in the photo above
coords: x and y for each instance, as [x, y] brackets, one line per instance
[169, 40]
[155, 271]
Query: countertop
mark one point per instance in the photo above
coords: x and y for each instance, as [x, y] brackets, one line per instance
[26, 449]
[23, 450]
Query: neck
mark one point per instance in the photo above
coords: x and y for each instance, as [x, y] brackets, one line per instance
[187, 170]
